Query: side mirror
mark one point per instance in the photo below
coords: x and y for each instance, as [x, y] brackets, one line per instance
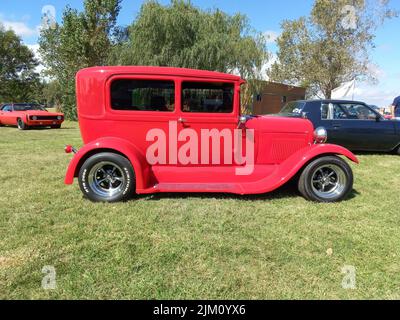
[378, 118]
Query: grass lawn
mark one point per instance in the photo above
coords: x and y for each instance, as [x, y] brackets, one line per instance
[190, 246]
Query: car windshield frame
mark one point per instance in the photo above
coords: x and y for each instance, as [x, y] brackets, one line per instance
[28, 107]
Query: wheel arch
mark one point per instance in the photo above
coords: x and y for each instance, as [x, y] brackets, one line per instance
[113, 145]
[315, 152]
[92, 153]
[297, 175]
[291, 167]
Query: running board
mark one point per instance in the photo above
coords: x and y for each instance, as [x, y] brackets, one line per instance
[192, 187]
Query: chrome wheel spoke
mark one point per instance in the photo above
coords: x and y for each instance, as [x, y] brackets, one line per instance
[331, 174]
[102, 180]
[328, 181]
[106, 179]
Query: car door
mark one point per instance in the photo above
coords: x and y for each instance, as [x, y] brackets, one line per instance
[331, 114]
[209, 109]
[144, 108]
[376, 133]
[358, 127]
[6, 115]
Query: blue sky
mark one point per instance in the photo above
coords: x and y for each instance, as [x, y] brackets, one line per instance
[265, 15]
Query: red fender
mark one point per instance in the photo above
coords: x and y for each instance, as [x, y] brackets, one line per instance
[291, 166]
[139, 163]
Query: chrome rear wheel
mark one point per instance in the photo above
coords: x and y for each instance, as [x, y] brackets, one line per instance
[107, 177]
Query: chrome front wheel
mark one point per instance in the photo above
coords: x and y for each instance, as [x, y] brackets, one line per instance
[326, 179]
[329, 181]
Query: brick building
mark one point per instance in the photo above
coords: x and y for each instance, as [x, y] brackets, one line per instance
[274, 96]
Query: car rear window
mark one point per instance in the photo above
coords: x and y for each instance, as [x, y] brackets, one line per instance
[143, 95]
[207, 97]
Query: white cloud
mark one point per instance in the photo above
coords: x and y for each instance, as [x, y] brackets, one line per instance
[272, 59]
[271, 36]
[376, 71]
[35, 49]
[373, 94]
[21, 28]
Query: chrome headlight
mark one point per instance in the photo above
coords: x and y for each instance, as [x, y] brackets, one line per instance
[59, 117]
[320, 135]
[34, 118]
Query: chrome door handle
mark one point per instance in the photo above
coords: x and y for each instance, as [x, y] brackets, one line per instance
[181, 120]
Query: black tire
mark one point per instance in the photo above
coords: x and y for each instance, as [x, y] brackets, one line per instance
[21, 124]
[57, 126]
[107, 177]
[326, 179]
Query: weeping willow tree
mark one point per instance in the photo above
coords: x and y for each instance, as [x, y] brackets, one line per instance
[182, 35]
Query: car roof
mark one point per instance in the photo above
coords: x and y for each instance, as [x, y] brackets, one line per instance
[26, 104]
[19, 104]
[151, 70]
[331, 101]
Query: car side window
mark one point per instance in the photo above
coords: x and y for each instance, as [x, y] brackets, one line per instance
[339, 113]
[207, 97]
[143, 95]
[331, 111]
[359, 112]
[324, 111]
[7, 108]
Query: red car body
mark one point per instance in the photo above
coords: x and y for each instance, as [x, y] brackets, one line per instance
[282, 146]
[31, 115]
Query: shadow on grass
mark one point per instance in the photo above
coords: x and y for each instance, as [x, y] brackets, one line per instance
[40, 128]
[375, 153]
[48, 128]
[287, 191]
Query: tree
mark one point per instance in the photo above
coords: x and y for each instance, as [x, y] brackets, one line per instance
[182, 35]
[83, 39]
[330, 47]
[52, 94]
[18, 79]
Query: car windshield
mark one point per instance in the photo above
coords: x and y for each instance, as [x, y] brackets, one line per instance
[293, 107]
[27, 107]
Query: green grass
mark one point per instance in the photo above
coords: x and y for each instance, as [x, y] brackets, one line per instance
[189, 246]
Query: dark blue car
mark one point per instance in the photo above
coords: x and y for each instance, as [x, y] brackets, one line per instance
[351, 124]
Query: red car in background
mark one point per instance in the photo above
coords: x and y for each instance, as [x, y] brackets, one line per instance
[26, 115]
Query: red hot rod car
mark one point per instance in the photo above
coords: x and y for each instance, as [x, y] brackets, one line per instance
[26, 115]
[157, 129]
